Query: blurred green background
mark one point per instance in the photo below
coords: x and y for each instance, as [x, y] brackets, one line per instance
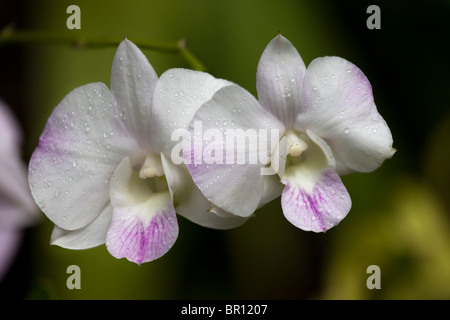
[400, 215]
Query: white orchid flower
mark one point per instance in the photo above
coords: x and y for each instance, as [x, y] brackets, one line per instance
[101, 172]
[328, 126]
[17, 208]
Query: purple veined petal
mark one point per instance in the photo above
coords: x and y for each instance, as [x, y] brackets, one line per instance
[92, 235]
[314, 198]
[279, 79]
[225, 159]
[191, 203]
[144, 224]
[139, 240]
[338, 106]
[179, 93]
[79, 149]
[318, 208]
[10, 241]
[133, 81]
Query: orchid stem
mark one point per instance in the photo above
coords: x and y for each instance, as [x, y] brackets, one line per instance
[10, 37]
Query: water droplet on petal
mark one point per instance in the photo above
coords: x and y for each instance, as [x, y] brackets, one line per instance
[346, 130]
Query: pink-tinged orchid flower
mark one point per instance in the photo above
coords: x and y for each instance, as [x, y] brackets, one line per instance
[329, 126]
[102, 171]
[17, 208]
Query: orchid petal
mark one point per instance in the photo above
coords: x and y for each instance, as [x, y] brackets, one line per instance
[338, 106]
[179, 93]
[279, 79]
[144, 225]
[133, 81]
[236, 112]
[192, 204]
[79, 149]
[318, 208]
[93, 235]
